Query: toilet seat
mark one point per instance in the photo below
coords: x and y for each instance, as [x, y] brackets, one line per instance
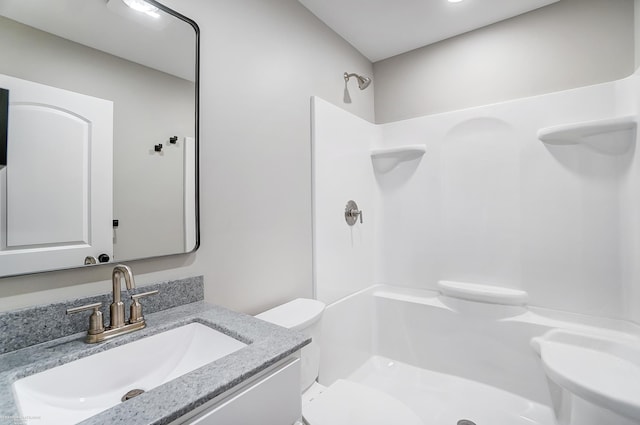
[349, 403]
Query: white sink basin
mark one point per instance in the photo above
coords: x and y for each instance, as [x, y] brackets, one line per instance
[72, 392]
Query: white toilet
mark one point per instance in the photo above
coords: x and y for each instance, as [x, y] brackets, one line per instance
[303, 315]
[344, 402]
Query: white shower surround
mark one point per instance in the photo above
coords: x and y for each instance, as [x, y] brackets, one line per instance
[448, 358]
[555, 223]
[488, 203]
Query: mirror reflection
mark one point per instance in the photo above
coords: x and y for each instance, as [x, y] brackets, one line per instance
[101, 137]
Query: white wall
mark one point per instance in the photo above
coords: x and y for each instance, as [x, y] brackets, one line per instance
[260, 64]
[636, 9]
[569, 44]
[630, 214]
[492, 204]
[343, 254]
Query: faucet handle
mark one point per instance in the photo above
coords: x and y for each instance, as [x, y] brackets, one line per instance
[96, 325]
[135, 312]
[136, 297]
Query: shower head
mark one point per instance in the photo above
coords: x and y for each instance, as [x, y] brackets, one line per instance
[363, 82]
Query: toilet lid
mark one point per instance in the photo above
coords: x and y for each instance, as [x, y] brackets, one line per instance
[296, 314]
[349, 403]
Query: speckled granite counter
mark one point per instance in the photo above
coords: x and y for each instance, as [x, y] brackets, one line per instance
[267, 344]
[36, 324]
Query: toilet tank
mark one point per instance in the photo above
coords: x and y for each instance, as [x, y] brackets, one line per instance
[303, 315]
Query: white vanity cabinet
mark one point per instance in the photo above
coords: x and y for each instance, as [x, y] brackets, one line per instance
[271, 398]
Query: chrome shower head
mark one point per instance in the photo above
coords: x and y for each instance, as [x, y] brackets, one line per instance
[363, 82]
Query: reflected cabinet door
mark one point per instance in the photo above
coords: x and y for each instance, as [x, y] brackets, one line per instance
[56, 189]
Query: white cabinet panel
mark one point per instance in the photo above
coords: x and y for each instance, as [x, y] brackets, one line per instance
[273, 400]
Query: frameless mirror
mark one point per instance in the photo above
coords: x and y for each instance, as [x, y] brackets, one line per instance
[98, 133]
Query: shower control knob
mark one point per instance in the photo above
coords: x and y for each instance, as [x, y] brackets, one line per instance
[351, 213]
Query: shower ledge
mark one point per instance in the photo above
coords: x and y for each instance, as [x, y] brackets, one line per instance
[576, 133]
[483, 293]
[386, 159]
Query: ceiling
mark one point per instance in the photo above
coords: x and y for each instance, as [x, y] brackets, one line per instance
[380, 29]
[166, 43]
[377, 28]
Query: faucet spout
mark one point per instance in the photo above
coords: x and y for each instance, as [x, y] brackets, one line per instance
[117, 306]
[119, 272]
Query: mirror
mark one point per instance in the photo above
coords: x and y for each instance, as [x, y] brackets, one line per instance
[101, 133]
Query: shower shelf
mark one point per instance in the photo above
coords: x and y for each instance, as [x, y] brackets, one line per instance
[386, 159]
[575, 133]
[483, 293]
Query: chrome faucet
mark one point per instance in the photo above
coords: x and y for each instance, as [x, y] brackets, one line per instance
[97, 332]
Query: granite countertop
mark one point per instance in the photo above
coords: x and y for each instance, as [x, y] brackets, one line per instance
[267, 344]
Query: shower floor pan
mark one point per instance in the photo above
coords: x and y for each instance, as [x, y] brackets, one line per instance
[430, 397]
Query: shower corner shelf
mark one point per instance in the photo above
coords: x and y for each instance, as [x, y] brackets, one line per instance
[386, 159]
[575, 133]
